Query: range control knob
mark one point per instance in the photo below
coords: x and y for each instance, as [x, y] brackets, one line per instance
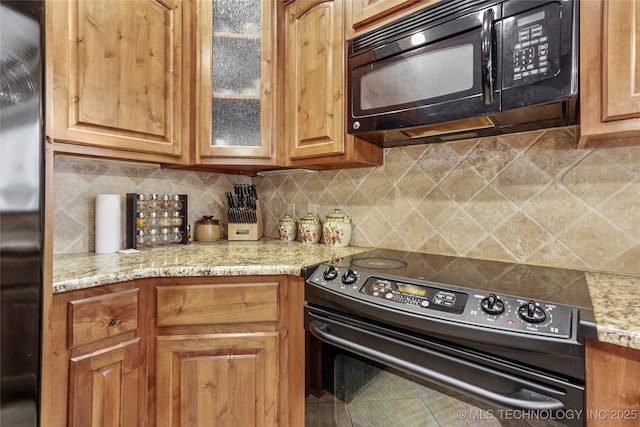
[532, 312]
[349, 277]
[330, 273]
[492, 304]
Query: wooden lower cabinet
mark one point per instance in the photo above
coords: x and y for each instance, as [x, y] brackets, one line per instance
[94, 369]
[195, 351]
[612, 384]
[220, 379]
[107, 387]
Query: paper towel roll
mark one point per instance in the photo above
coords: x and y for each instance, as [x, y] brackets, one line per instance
[108, 223]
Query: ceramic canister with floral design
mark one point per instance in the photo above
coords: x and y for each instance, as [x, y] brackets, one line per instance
[337, 229]
[309, 229]
[287, 228]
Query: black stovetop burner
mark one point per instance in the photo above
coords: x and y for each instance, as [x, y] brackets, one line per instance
[555, 285]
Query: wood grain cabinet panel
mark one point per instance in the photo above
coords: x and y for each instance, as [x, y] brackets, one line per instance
[609, 72]
[314, 95]
[118, 78]
[223, 380]
[217, 303]
[202, 352]
[107, 388]
[236, 64]
[612, 392]
[100, 317]
[94, 362]
[366, 11]
[314, 89]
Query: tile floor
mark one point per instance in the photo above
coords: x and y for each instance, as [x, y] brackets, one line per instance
[388, 400]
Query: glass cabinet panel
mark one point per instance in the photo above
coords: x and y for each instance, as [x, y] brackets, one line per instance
[236, 62]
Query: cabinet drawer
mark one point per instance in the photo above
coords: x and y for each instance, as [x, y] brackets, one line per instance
[217, 304]
[104, 316]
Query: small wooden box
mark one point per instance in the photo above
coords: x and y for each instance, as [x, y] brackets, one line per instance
[247, 231]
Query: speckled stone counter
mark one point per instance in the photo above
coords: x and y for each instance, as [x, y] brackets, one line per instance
[616, 302]
[222, 258]
[615, 298]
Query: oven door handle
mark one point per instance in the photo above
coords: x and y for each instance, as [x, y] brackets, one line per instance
[487, 57]
[522, 394]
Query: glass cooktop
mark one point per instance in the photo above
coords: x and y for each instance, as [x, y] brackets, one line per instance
[557, 285]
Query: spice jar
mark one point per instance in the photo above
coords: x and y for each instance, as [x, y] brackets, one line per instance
[141, 238]
[154, 236]
[165, 202]
[310, 229]
[165, 219]
[208, 229]
[176, 219]
[141, 220]
[153, 203]
[337, 229]
[152, 219]
[141, 202]
[165, 236]
[176, 203]
[176, 236]
[287, 228]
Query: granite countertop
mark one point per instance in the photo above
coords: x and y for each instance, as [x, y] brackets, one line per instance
[221, 258]
[615, 298]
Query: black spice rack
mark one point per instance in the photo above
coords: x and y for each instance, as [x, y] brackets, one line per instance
[133, 228]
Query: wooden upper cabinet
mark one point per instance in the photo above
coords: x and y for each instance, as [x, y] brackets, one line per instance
[609, 72]
[117, 80]
[364, 15]
[314, 89]
[366, 11]
[235, 75]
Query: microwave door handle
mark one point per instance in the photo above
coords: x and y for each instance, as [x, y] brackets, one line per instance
[487, 57]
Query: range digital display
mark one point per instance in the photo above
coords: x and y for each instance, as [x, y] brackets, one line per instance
[412, 290]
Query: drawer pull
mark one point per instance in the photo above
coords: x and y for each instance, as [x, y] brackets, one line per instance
[112, 322]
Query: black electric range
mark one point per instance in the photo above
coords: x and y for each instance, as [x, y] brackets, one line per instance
[531, 314]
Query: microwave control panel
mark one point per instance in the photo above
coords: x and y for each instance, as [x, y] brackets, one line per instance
[531, 46]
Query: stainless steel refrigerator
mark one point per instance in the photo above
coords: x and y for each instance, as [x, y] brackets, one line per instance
[21, 205]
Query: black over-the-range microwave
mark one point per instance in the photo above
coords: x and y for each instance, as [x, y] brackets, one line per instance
[464, 69]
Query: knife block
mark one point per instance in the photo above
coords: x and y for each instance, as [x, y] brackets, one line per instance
[246, 231]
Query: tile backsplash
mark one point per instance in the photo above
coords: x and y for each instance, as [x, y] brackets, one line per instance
[77, 181]
[529, 197]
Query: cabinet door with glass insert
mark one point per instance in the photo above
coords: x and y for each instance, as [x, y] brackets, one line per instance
[235, 71]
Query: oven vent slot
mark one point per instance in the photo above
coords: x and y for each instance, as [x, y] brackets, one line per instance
[422, 19]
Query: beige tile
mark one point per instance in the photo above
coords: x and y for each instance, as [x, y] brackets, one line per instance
[595, 178]
[528, 197]
[623, 208]
[554, 152]
[555, 208]
[490, 208]
[438, 161]
[520, 181]
[490, 156]
[596, 240]
[437, 207]
[462, 232]
[462, 184]
[522, 236]
[415, 184]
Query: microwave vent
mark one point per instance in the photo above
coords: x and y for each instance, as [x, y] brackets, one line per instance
[440, 12]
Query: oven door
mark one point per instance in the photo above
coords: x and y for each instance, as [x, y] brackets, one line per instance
[360, 374]
[441, 73]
